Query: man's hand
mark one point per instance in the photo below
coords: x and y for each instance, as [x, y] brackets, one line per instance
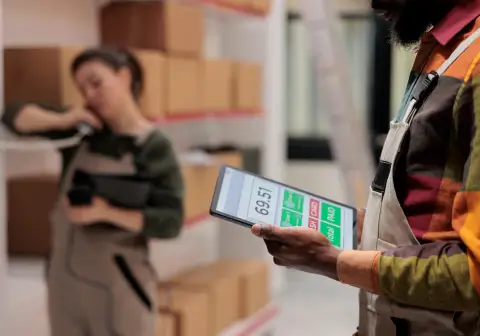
[303, 249]
[88, 214]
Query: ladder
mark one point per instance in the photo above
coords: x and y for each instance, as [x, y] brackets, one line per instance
[349, 136]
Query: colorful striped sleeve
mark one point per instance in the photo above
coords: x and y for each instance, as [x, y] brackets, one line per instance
[445, 275]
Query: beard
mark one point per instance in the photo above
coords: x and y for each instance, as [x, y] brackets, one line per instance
[412, 23]
[417, 17]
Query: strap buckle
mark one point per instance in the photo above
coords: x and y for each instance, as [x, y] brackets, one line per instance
[428, 84]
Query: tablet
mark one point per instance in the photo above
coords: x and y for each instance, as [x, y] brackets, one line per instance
[246, 199]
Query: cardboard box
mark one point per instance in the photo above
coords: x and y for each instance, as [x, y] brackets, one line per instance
[189, 308]
[254, 283]
[222, 289]
[199, 182]
[166, 324]
[247, 86]
[261, 6]
[217, 85]
[233, 158]
[183, 86]
[29, 203]
[172, 26]
[40, 74]
[153, 98]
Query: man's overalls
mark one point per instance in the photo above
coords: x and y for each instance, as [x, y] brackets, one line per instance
[100, 281]
[386, 227]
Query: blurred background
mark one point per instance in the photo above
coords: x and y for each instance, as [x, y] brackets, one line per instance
[233, 78]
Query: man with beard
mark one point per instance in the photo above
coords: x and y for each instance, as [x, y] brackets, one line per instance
[418, 268]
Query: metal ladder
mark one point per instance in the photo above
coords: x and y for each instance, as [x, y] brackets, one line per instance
[349, 135]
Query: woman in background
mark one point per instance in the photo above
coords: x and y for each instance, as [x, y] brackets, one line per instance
[100, 280]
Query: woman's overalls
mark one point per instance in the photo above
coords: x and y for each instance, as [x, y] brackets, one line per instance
[100, 281]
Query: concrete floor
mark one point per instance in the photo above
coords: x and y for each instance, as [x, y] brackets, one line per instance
[315, 306]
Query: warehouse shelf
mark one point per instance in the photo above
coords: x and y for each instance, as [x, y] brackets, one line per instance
[261, 323]
[225, 7]
[204, 116]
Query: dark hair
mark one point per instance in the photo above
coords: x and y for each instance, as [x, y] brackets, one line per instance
[116, 59]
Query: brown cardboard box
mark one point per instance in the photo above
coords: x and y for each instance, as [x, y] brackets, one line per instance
[223, 292]
[30, 201]
[190, 308]
[199, 182]
[153, 98]
[254, 283]
[183, 85]
[40, 74]
[247, 86]
[217, 85]
[262, 6]
[166, 324]
[233, 159]
[172, 26]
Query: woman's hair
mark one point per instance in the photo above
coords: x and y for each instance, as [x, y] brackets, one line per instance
[116, 59]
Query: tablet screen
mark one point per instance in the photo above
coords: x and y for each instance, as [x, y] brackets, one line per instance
[253, 199]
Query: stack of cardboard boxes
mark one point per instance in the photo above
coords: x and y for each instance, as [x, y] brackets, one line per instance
[207, 300]
[168, 37]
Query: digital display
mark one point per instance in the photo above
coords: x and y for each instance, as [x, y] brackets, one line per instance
[256, 200]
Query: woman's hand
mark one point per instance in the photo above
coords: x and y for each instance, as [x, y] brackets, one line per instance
[71, 118]
[86, 215]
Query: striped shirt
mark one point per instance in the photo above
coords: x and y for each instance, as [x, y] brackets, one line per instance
[438, 178]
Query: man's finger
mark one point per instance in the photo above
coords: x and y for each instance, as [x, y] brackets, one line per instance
[287, 235]
[289, 255]
[273, 232]
[265, 231]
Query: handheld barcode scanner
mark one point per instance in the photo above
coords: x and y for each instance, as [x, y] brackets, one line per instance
[85, 129]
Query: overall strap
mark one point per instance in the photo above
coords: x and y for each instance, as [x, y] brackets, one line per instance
[428, 85]
[431, 80]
